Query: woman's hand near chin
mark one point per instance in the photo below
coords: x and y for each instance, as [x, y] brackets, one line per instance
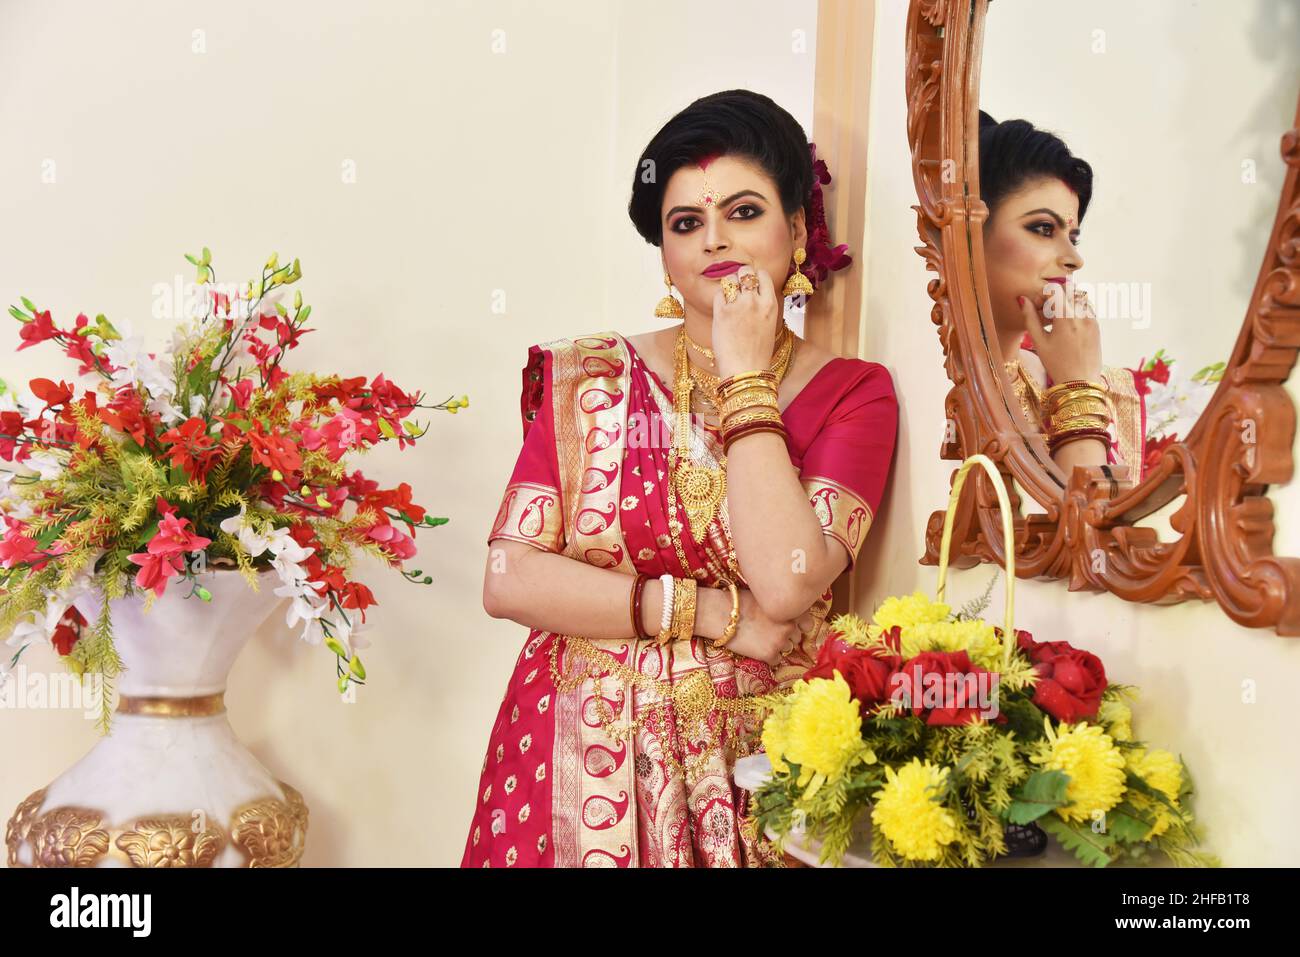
[744, 331]
[1071, 349]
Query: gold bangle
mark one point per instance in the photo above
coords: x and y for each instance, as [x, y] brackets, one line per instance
[1079, 422]
[665, 635]
[751, 414]
[748, 397]
[684, 627]
[1077, 384]
[1076, 406]
[734, 621]
[741, 380]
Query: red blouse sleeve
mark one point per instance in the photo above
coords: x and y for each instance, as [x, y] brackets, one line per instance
[531, 507]
[845, 465]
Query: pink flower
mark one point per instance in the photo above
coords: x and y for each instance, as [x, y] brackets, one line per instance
[394, 540]
[16, 547]
[164, 555]
[156, 570]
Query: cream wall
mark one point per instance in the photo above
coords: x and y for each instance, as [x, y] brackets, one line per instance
[482, 178]
[1191, 662]
[484, 174]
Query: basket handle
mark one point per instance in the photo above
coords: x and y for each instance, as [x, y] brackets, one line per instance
[1009, 543]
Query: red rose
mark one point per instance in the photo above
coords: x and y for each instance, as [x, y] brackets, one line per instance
[1070, 681]
[866, 672]
[957, 683]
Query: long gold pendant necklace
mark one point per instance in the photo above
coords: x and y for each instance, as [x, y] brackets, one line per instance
[702, 488]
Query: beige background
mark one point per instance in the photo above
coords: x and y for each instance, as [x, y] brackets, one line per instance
[486, 176]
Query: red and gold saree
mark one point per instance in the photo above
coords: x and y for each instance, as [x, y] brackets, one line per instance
[556, 789]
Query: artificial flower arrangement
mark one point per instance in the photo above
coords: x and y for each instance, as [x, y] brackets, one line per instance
[1174, 401]
[942, 772]
[208, 455]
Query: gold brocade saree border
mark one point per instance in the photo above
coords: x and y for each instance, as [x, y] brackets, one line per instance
[530, 513]
[843, 514]
[593, 796]
[1126, 409]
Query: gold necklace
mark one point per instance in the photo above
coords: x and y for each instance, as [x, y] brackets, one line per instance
[701, 489]
[782, 357]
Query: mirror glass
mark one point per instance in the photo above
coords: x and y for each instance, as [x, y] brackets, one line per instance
[1176, 110]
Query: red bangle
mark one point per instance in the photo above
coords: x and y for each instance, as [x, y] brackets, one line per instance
[1056, 441]
[637, 588]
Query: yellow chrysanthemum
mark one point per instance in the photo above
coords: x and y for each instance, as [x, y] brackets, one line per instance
[1162, 771]
[1117, 718]
[1095, 766]
[906, 610]
[907, 814]
[819, 728]
[774, 739]
[973, 635]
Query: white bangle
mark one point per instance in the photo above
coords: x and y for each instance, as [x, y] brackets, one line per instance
[666, 616]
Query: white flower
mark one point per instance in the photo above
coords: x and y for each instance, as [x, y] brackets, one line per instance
[47, 464]
[35, 624]
[137, 367]
[249, 540]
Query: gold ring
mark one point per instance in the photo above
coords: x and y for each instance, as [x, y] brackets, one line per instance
[749, 281]
[730, 288]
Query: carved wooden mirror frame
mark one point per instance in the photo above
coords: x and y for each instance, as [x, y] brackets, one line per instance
[1241, 444]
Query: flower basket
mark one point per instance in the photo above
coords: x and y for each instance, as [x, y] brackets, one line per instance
[948, 730]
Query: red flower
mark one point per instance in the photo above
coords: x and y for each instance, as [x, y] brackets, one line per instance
[1154, 450]
[867, 672]
[241, 392]
[192, 448]
[1070, 681]
[127, 415]
[947, 687]
[275, 452]
[68, 631]
[39, 329]
[400, 499]
[358, 596]
[50, 393]
[11, 431]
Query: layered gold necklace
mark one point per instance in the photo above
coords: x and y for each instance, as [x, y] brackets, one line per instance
[701, 488]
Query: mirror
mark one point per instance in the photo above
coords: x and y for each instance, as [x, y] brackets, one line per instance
[1186, 117]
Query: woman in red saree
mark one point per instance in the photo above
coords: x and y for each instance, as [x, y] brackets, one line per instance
[592, 486]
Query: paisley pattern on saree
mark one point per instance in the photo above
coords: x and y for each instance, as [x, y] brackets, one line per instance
[530, 513]
[845, 517]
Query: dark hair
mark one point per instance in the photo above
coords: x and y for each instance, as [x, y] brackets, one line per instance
[736, 122]
[1014, 152]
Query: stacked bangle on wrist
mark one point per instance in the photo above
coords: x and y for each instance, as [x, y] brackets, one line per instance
[747, 404]
[638, 586]
[666, 616]
[682, 626]
[1076, 409]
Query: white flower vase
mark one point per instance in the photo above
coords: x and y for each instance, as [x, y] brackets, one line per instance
[171, 785]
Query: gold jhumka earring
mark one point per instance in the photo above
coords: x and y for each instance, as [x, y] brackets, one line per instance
[798, 283]
[669, 307]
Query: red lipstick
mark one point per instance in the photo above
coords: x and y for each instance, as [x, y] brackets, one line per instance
[718, 270]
